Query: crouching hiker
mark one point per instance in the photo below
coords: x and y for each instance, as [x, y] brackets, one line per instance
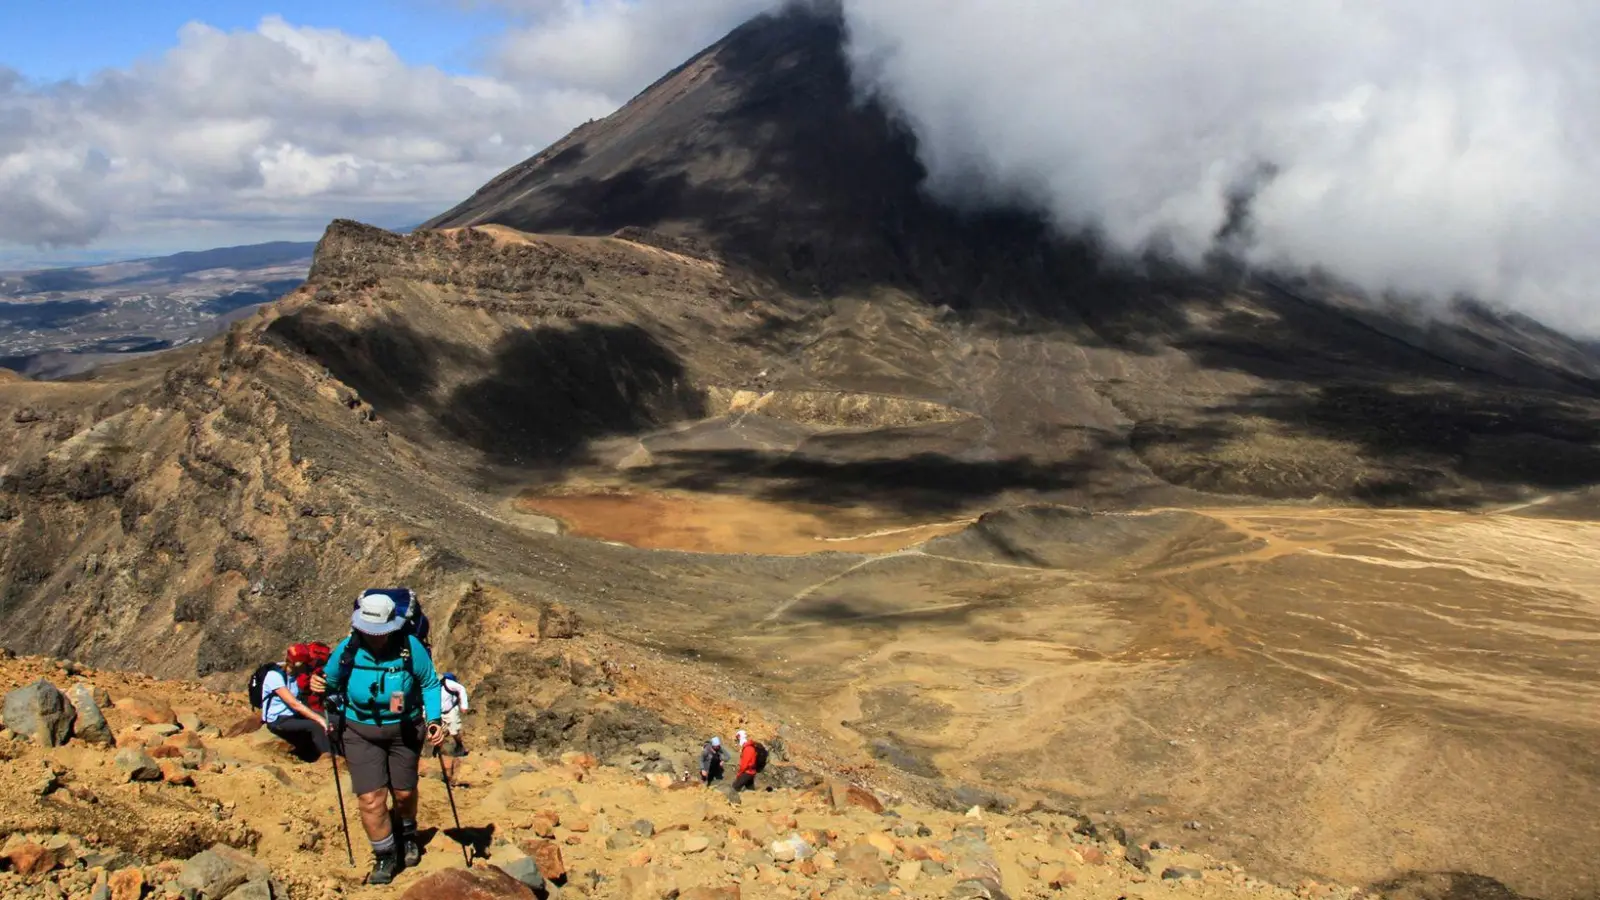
[284, 711]
[381, 683]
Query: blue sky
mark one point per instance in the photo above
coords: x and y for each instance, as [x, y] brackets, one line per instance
[59, 39]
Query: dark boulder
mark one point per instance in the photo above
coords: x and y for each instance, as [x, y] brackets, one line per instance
[41, 712]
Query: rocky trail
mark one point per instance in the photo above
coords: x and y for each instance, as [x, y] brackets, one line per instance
[121, 787]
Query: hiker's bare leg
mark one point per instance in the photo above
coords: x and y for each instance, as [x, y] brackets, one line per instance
[375, 813]
[405, 805]
[449, 766]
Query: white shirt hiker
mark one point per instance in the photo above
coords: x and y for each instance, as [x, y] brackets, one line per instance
[452, 703]
[272, 706]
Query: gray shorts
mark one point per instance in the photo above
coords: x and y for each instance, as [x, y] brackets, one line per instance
[382, 757]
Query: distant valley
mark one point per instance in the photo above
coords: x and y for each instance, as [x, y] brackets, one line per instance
[59, 322]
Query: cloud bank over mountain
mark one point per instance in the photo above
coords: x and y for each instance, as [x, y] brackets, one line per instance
[1431, 147]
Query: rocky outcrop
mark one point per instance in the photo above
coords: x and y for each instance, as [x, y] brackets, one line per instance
[40, 712]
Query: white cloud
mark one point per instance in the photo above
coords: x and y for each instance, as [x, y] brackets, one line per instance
[1431, 147]
[280, 127]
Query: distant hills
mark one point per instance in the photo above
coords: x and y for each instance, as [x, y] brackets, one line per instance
[58, 322]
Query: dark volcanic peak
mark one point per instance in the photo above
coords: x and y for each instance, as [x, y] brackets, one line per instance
[759, 146]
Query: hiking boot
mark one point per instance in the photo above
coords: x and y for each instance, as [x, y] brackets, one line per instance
[413, 849]
[384, 868]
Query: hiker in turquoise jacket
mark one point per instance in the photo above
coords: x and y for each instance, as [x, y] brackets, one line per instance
[389, 689]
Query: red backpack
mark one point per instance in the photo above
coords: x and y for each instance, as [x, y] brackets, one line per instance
[313, 655]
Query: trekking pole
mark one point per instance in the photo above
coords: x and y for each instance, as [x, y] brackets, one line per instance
[344, 820]
[444, 775]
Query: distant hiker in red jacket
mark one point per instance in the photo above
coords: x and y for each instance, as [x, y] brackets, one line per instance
[746, 778]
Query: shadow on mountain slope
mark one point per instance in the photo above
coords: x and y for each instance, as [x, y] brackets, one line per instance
[1445, 886]
[550, 390]
[537, 395]
[1426, 444]
[925, 483]
[391, 364]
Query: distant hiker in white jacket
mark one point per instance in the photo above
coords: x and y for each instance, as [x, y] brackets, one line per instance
[452, 703]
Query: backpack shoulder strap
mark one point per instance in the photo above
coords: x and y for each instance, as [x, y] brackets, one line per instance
[347, 661]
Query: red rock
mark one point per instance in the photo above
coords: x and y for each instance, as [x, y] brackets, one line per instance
[186, 740]
[544, 824]
[1093, 856]
[32, 859]
[126, 884]
[851, 795]
[783, 820]
[242, 727]
[1062, 880]
[488, 883]
[156, 712]
[573, 840]
[547, 856]
[165, 752]
[641, 857]
[173, 772]
[578, 825]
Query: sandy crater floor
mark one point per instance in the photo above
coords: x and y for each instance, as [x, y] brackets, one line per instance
[1344, 692]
